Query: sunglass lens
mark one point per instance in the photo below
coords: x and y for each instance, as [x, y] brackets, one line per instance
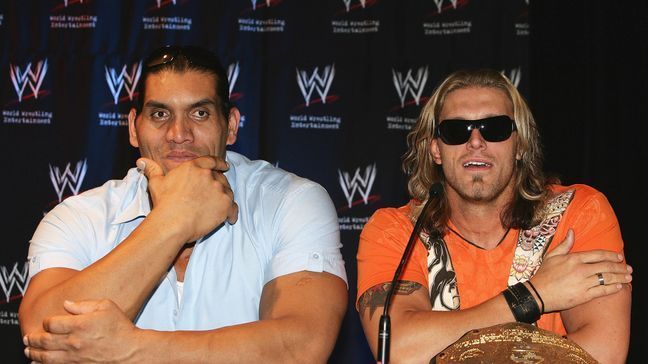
[496, 129]
[454, 132]
[493, 129]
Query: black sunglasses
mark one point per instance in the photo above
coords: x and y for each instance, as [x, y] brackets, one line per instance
[195, 55]
[493, 129]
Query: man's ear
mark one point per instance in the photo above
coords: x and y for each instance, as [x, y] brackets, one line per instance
[233, 125]
[132, 131]
[434, 150]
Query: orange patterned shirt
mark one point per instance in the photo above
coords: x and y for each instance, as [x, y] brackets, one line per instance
[481, 274]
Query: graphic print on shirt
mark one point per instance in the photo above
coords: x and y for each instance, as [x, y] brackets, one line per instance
[533, 243]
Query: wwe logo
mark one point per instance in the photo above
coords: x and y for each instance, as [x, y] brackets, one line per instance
[514, 76]
[68, 178]
[254, 3]
[14, 278]
[347, 3]
[439, 4]
[358, 183]
[32, 78]
[159, 3]
[410, 84]
[232, 75]
[123, 80]
[307, 84]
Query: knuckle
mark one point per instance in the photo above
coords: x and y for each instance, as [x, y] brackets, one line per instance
[45, 358]
[47, 323]
[75, 343]
[612, 267]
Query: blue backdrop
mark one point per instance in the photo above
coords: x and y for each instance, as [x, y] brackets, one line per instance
[328, 89]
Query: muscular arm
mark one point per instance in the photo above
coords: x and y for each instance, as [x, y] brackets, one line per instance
[193, 197]
[300, 316]
[146, 254]
[602, 326]
[565, 281]
[418, 333]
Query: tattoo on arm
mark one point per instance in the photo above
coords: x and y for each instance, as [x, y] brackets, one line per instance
[375, 296]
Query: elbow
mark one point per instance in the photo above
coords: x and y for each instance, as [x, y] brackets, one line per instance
[312, 343]
[28, 323]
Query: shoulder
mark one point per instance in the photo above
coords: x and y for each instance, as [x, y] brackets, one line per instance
[260, 181]
[100, 202]
[579, 189]
[590, 216]
[391, 217]
[387, 223]
[581, 198]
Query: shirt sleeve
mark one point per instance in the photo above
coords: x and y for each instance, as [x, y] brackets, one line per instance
[57, 242]
[382, 243]
[593, 220]
[306, 234]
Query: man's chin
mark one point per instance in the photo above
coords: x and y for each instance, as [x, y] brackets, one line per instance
[169, 165]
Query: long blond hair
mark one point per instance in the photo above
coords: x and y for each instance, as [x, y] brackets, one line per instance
[530, 182]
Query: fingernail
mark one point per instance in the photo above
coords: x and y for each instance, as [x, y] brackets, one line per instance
[25, 340]
[620, 256]
[628, 278]
[27, 352]
[629, 268]
[141, 165]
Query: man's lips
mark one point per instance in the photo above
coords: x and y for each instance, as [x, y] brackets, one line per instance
[181, 156]
[477, 164]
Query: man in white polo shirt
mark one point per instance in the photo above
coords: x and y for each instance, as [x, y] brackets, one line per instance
[197, 255]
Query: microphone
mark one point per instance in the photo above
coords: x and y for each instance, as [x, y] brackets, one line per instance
[384, 327]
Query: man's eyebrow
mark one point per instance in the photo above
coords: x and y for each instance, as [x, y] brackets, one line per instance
[155, 104]
[204, 102]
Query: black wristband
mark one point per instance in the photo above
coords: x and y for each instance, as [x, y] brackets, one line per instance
[522, 304]
[537, 294]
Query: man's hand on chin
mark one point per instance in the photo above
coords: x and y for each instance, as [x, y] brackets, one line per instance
[95, 331]
[195, 195]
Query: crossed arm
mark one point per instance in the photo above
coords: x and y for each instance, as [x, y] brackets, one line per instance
[300, 318]
[597, 317]
[86, 316]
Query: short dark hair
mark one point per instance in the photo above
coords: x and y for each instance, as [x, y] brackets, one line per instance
[185, 58]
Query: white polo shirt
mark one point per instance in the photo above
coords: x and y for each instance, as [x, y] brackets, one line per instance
[286, 224]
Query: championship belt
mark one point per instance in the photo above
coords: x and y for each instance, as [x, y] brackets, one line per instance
[513, 343]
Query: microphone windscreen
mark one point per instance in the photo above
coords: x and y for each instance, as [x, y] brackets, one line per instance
[436, 189]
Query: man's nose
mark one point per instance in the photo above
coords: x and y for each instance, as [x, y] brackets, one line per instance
[476, 140]
[180, 130]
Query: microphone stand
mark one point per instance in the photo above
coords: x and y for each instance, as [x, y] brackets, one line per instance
[384, 326]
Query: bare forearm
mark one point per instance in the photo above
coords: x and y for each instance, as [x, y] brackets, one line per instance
[282, 341]
[126, 275]
[425, 334]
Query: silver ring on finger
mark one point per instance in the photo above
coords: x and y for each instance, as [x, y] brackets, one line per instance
[600, 279]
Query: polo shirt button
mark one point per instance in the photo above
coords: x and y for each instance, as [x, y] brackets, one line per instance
[315, 256]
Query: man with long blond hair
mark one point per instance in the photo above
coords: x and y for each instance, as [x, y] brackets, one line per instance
[501, 243]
